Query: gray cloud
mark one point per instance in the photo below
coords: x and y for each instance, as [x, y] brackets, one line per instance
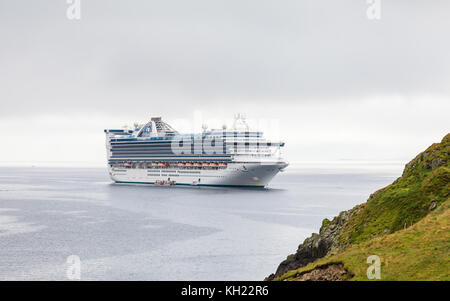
[140, 54]
[340, 85]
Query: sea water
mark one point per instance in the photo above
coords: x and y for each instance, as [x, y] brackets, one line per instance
[130, 232]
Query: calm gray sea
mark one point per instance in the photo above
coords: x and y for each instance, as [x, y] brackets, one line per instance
[163, 233]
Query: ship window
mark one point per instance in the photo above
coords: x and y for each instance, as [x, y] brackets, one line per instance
[146, 132]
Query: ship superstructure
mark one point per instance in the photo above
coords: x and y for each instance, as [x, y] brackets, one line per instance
[155, 153]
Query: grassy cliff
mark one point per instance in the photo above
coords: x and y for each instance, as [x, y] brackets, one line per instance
[407, 224]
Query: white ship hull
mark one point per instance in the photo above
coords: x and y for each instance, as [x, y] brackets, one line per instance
[234, 175]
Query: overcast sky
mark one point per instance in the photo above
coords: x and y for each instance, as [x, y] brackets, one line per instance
[339, 85]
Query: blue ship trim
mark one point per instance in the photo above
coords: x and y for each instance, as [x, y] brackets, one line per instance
[186, 184]
[115, 160]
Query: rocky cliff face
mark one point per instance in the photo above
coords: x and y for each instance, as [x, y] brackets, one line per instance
[317, 245]
[331, 272]
[423, 186]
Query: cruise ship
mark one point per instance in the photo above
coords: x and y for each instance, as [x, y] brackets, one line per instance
[156, 154]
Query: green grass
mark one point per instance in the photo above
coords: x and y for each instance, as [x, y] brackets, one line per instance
[421, 252]
[406, 201]
[396, 224]
[325, 223]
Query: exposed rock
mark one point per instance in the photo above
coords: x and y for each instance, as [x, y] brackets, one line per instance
[332, 272]
[317, 245]
[437, 162]
[420, 184]
[433, 205]
[430, 159]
